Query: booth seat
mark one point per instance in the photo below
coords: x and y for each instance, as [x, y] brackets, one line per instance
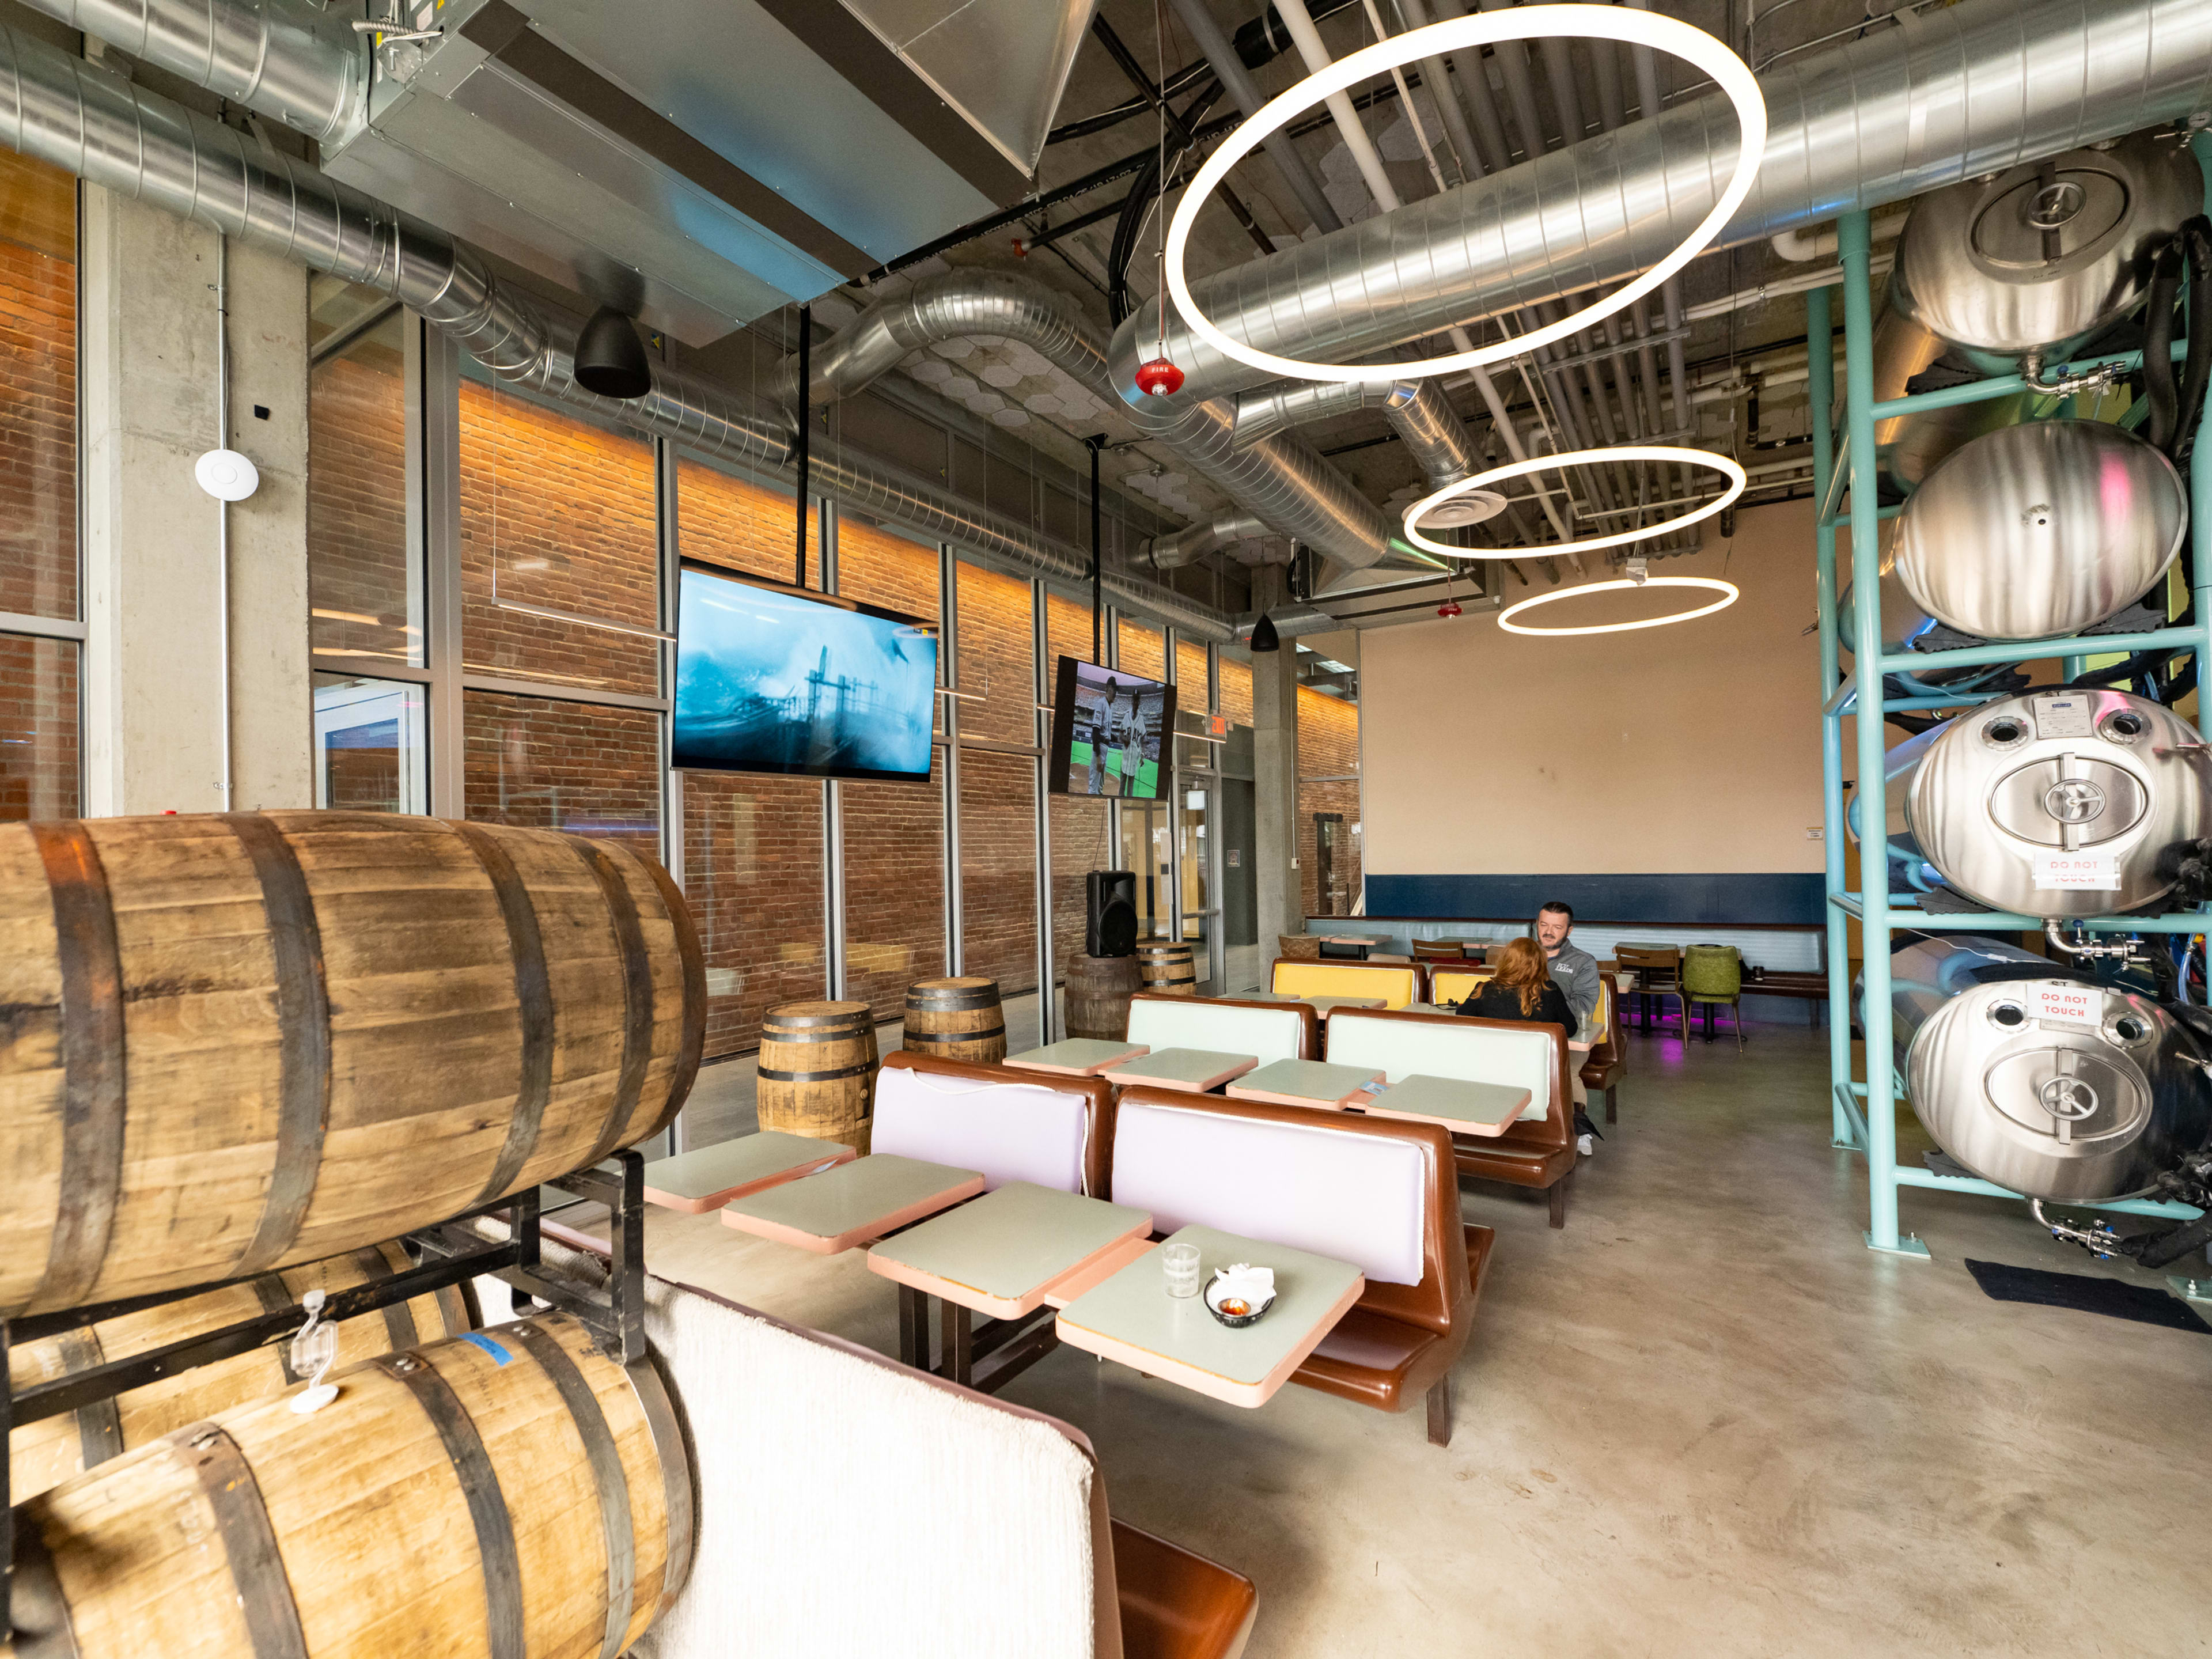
[818, 1465]
[1395, 984]
[1449, 987]
[1380, 1193]
[1538, 1150]
[1607, 1063]
[1049, 1130]
[1268, 1031]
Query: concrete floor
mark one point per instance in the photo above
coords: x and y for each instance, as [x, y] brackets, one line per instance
[1703, 1419]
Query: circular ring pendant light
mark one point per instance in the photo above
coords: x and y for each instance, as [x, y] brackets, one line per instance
[1458, 35]
[1728, 591]
[1665, 453]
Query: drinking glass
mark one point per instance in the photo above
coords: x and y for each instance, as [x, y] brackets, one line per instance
[1180, 1263]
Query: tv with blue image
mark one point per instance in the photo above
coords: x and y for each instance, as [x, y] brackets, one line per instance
[769, 678]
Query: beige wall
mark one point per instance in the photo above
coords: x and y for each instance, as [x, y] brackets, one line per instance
[1690, 749]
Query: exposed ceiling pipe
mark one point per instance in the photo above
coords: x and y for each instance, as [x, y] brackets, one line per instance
[1802, 247]
[1283, 406]
[1281, 480]
[1308, 40]
[1283, 149]
[1957, 92]
[277, 66]
[89, 121]
[1194, 542]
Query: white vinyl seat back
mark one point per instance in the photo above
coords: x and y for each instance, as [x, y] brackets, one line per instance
[1267, 1034]
[1359, 1198]
[1009, 1131]
[1449, 1047]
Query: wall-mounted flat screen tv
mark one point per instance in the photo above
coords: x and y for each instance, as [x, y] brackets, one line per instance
[771, 679]
[1110, 732]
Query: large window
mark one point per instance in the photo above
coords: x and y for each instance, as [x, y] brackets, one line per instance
[40, 765]
[1329, 864]
[364, 571]
[547, 763]
[894, 832]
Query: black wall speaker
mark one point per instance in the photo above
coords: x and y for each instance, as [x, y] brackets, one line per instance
[1111, 929]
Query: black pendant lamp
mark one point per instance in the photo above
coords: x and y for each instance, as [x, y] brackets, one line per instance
[1264, 637]
[610, 358]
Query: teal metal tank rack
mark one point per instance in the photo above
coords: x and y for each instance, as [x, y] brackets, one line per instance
[1865, 1114]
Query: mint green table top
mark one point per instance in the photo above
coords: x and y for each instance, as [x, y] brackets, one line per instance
[853, 1203]
[1482, 1109]
[1003, 1251]
[1183, 1068]
[1084, 1056]
[1303, 1083]
[710, 1177]
[1131, 1317]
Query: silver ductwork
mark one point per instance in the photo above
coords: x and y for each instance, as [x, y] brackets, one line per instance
[90, 122]
[1427, 424]
[1281, 480]
[1195, 541]
[314, 81]
[1948, 93]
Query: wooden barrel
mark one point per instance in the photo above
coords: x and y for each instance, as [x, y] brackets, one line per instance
[49, 1451]
[237, 1043]
[956, 1019]
[817, 1071]
[1167, 968]
[1099, 993]
[511, 1492]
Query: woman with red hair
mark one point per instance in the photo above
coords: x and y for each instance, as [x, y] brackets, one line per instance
[1522, 989]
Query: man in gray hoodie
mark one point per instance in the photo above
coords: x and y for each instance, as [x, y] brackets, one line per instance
[1576, 970]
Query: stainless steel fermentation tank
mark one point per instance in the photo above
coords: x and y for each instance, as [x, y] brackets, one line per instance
[2035, 1078]
[2053, 804]
[2034, 263]
[2040, 531]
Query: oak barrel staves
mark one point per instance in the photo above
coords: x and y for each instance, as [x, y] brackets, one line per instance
[241, 1042]
[1167, 968]
[817, 1071]
[512, 1493]
[45, 1453]
[956, 1019]
[1099, 993]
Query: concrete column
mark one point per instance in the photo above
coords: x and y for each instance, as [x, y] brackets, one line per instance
[1275, 781]
[155, 677]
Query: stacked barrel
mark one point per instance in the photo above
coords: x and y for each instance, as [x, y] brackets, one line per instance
[245, 1052]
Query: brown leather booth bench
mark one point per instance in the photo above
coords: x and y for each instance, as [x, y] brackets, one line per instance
[1400, 1341]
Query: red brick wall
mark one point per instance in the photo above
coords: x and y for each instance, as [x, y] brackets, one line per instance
[357, 550]
[553, 765]
[1328, 747]
[998, 792]
[39, 690]
[38, 389]
[1237, 691]
[38, 728]
[752, 871]
[565, 512]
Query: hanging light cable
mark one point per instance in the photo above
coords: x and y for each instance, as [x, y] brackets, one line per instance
[1159, 378]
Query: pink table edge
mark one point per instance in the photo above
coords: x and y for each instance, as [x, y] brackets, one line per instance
[1100, 1268]
[1375, 1107]
[746, 1189]
[866, 1233]
[1266, 1097]
[1138, 1081]
[1136, 1050]
[1001, 1307]
[1206, 1383]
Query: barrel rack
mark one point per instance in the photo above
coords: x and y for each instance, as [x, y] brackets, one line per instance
[446, 1253]
[1865, 1114]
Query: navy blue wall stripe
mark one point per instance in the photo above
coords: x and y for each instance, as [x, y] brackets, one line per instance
[1713, 900]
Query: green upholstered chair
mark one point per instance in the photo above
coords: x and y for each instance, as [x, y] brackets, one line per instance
[1713, 973]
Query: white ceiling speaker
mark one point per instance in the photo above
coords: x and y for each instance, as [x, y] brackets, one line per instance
[226, 475]
[1460, 511]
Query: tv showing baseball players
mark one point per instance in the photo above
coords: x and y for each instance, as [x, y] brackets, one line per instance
[1110, 732]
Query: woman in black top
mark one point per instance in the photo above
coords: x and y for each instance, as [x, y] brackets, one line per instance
[1522, 989]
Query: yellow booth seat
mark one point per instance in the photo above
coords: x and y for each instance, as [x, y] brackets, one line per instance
[1396, 986]
[1449, 987]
